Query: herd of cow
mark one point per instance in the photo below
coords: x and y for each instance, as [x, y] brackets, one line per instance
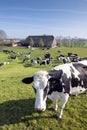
[60, 82]
[48, 58]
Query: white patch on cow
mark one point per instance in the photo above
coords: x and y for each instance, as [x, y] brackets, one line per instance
[40, 82]
[77, 90]
[6, 63]
[65, 97]
[55, 96]
[40, 79]
[76, 72]
[83, 62]
[40, 104]
[65, 68]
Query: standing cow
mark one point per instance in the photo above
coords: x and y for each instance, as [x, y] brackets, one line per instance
[60, 82]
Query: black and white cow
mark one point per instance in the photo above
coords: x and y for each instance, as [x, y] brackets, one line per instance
[60, 82]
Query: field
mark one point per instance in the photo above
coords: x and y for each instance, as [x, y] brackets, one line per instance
[17, 99]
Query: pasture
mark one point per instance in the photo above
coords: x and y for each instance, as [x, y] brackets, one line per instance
[17, 99]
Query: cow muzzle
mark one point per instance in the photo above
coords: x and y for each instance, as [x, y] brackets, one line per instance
[40, 109]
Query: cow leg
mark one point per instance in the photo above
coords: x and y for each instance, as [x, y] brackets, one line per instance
[64, 101]
[55, 105]
[86, 91]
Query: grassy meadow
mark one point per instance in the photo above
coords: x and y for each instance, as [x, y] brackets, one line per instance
[17, 99]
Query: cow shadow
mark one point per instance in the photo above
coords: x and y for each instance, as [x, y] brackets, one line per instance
[13, 111]
[16, 111]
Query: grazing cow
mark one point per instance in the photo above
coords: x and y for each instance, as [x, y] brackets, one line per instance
[47, 55]
[46, 61]
[13, 57]
[26, 59]
[73, 57]
[36, 60]
[63, 59]
[59, 83]
[6, 51]
[4, 63]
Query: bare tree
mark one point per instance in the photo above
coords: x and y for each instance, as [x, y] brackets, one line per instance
[2, 35]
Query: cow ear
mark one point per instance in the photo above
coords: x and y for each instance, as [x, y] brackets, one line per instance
[27, 80]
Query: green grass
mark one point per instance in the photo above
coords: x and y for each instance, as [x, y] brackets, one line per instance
[17, 99]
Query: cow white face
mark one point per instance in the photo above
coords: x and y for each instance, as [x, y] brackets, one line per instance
[41, 89]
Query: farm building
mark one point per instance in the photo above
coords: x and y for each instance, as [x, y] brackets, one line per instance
[10, 42]
[48, 41]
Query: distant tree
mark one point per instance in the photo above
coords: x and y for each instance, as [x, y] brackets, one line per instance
[41, 43]
[2, 35]
[31, 42]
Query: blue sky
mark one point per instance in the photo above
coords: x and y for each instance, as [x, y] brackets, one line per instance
[21, 18]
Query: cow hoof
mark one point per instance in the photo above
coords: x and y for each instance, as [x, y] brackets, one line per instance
[56, 116]
[59, 116]
[55, 109]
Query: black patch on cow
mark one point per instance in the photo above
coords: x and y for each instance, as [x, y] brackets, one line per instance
[81, 68]
[55, 83]
[27, 80]
[56, 74]
[55, 86]
[75, 82]
[72, 70]
[82, 77]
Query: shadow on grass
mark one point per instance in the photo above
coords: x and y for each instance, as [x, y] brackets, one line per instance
[16, 111]
[28, 65]
[12, 111]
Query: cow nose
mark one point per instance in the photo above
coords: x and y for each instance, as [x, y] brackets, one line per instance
[39, 109]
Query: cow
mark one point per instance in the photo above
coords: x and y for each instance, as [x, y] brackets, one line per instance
[26, 59]
[59, 83]
[46, 61]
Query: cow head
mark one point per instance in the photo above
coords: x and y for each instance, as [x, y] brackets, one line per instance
[40, 85]
[44, 83]
[41, 88]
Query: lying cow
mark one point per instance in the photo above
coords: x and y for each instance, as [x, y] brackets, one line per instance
[60, 82]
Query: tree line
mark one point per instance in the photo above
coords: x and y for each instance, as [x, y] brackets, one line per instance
[71, 42]
[64, 42]
[61, 41]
